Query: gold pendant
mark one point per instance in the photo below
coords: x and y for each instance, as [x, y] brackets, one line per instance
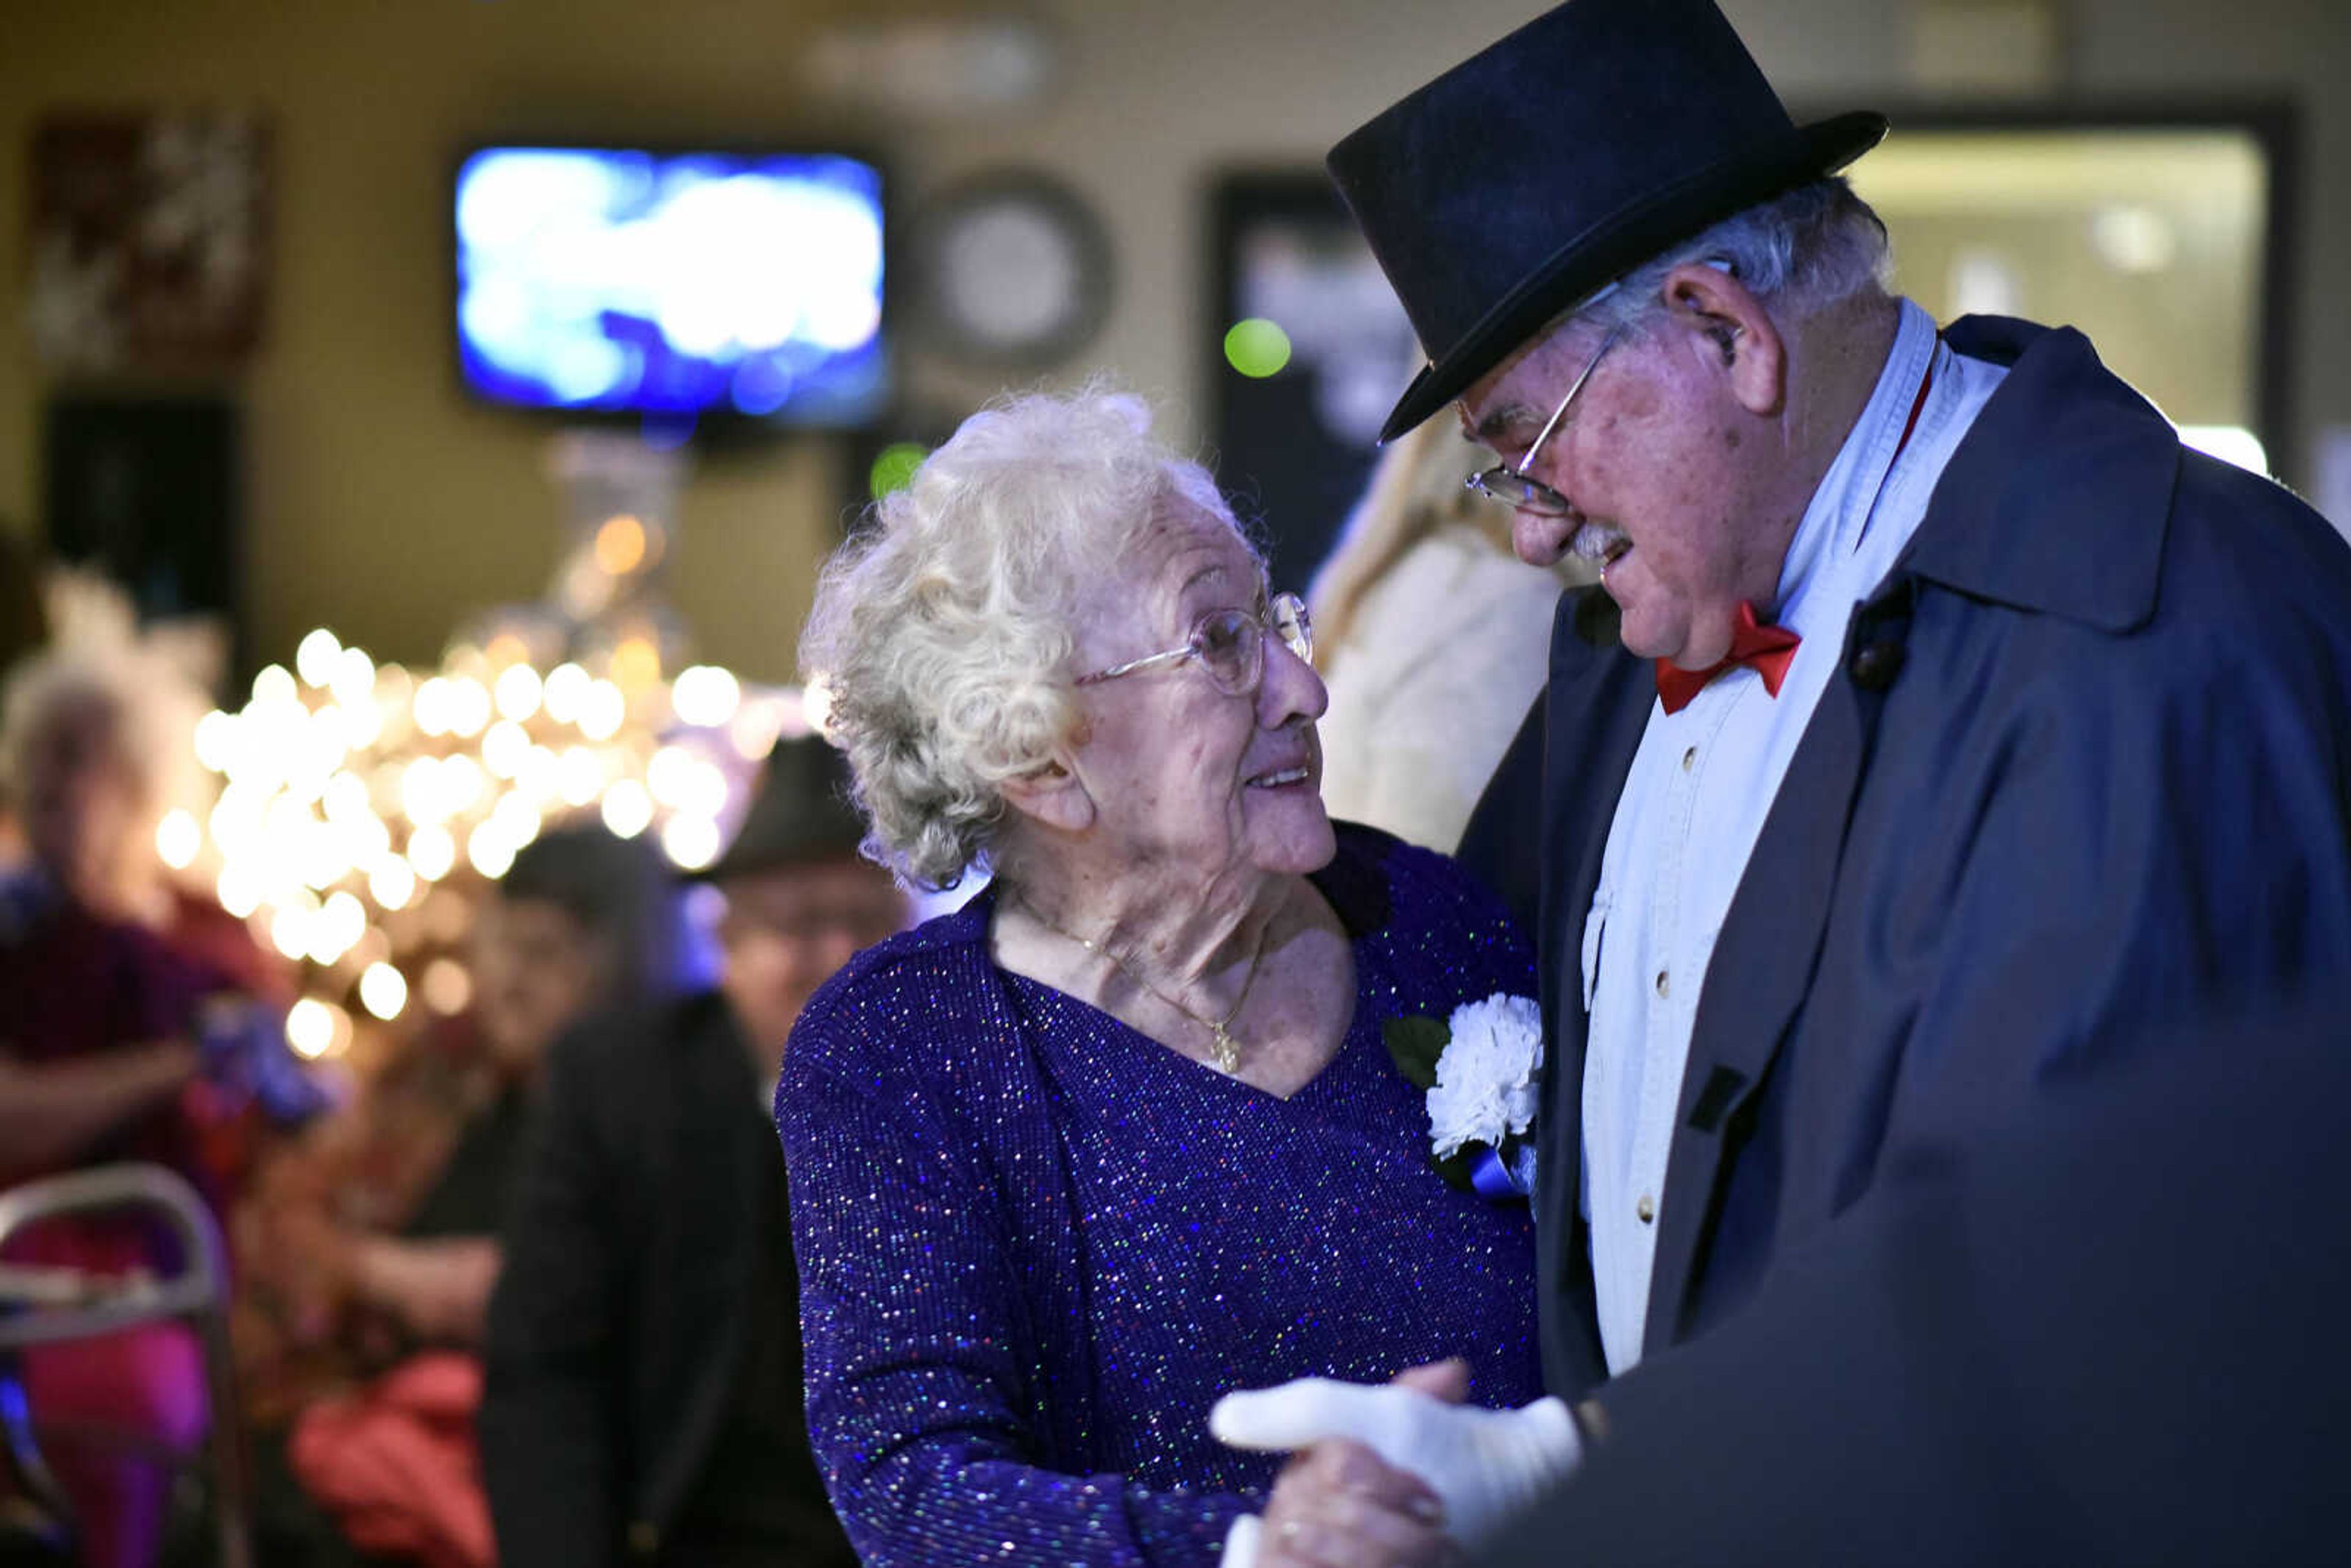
[1226, 1050]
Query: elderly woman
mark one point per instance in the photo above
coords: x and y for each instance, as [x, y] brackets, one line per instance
[109, 976]
[1121, 1134]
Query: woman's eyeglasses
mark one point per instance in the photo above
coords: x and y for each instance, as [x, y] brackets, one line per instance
[1229, 645]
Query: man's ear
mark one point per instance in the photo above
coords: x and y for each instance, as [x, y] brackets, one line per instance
[1731, 327]
[1052, 797]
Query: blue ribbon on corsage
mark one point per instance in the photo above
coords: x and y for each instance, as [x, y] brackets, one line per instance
[1492, 1178]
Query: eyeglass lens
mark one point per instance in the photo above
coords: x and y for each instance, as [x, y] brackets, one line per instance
[1230, 644]
[1293, 625]
[1519, 492]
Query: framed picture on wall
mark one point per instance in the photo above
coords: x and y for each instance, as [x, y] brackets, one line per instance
[1306, 351]
[2164, 234]
[149, 240]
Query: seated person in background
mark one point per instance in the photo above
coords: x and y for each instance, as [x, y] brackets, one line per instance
[377, 1239]
[1437, 636]
[645, 1394]
[1123, 1131]
[111, 982]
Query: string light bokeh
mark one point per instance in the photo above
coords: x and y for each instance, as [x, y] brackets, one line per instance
[361, 807]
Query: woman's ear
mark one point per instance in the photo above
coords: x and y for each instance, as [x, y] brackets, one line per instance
[1732, 330]
[1052, 797]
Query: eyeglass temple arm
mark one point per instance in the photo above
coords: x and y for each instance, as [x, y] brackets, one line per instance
[1132, 665]
[1590, 365]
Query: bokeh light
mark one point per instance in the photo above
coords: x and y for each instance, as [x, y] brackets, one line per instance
[316, 1029]
[448, 988]
[359, 805]
[566, 689]
[316, 657]
[705, 696]
[894, 467]
[431, 853]
[691, 843]
[621, 545]
[518, 692]
[383, 991]
[491, 850]
[627, 809]
[178, 838]
[1257, 348]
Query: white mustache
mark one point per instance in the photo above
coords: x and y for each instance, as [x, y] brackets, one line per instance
[1599, 543]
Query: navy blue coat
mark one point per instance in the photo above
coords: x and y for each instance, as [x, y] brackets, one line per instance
[2084, 770]
[2106, 1329]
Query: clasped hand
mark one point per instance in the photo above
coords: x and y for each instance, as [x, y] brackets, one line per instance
[1402, 1475]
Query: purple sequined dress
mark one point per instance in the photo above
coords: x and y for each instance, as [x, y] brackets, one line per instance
[1035, 1245]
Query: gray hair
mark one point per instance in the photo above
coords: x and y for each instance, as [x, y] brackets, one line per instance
[63, 695]
[1814, 246]
[943, 631]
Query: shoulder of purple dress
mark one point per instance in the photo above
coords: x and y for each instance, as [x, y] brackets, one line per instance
[1374, 872]
[1429, 908]
[922, 987]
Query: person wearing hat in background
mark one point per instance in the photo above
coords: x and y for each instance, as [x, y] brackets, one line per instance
[366, 1250]
[1938, 725]
[643, 1399]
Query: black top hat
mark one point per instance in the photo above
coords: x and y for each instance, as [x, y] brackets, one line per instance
[800, 813]
[1587, 142]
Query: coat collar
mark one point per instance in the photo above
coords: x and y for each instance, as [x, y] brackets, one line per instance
[2062, 437]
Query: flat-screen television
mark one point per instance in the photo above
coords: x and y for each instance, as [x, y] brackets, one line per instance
[673, 285]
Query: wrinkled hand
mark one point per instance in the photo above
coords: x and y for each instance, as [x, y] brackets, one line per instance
[1483, 1465]
[1338, 1506]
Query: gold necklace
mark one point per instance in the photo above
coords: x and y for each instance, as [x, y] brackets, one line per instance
[1223, 1047]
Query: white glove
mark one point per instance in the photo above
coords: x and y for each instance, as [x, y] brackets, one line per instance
[1486, 1466]
[1240, 1541]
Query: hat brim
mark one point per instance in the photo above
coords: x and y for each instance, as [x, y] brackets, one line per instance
[1627, 239]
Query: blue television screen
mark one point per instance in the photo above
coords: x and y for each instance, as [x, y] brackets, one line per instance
[677, 284]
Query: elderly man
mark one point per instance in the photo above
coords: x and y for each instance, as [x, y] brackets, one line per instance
[644, 1398]
[1940, 724]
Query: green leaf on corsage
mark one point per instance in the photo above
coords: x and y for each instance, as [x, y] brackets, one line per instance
[1414, 1045]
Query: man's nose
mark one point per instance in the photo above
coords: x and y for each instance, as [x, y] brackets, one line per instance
[1539, 540]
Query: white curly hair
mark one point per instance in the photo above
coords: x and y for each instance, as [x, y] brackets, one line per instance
[943, 631]
[137, 690]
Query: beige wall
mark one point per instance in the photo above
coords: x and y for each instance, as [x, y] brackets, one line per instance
[384, 506]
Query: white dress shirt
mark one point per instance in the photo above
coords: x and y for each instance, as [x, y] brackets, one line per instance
[1700, 786]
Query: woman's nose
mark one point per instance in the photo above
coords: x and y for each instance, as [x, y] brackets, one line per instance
[1290, 689]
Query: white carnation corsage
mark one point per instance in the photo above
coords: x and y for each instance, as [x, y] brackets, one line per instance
[1480, 1069]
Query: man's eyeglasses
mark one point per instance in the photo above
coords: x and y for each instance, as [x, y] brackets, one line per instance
[1229, 645]
[1511, 484]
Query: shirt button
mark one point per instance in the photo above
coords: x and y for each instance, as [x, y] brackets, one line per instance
[1689, 759]
[1665, 984]
[1646, 1209]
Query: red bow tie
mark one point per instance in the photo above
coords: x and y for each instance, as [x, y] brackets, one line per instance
[1766, 649]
